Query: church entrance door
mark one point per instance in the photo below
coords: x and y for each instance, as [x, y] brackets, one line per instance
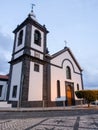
[69, 95]
[70, 99]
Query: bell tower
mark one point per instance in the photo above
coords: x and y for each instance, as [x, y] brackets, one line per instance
[28, 63]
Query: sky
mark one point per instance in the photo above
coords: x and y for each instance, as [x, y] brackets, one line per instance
[75, 21]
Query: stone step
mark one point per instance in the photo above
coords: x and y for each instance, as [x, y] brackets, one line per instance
[5, 104]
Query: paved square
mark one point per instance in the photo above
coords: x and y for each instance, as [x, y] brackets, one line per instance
[53, 123]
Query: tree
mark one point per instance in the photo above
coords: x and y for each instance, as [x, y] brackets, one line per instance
[88, 95]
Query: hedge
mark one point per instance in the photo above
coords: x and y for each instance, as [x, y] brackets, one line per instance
[88, 95]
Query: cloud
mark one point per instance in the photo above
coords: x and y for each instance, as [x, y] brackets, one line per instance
[6, 44]
[90, 79]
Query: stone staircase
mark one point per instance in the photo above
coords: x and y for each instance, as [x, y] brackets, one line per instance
[5, 104]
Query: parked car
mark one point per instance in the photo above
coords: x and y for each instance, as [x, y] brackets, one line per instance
[95, 102]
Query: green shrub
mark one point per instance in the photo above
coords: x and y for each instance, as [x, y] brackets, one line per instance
[88, 95]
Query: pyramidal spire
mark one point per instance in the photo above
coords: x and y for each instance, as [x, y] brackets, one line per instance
[32, 15]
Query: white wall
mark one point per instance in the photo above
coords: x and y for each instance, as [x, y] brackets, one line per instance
[15, 80]
[36, 78]
[18, 54]
[58, 60]
[36, 54]
[60, 74]
[17, 48]
[35, 83]
[4, 90]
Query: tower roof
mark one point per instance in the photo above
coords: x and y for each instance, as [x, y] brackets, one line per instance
[32, 14]
[31, 19]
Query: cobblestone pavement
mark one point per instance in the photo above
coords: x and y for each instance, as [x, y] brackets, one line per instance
[55, 123]
[50, 120]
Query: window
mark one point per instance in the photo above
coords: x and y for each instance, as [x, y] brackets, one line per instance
[20, 37]
[77, 86]
[36, 67]
[1, 87]
[14, 94]
[58, 89]
[37, 38]
[68, 72]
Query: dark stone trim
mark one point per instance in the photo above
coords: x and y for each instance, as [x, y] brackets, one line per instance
[37, 51]
[32, 22]
[46, 75]
[14, 45]
[71, 64]
[26, 47]
[31, 58]
[62, 66]
[25, 80]
[3, 79]
[46, 85]
[52, 104]
[29, 104]
[9, 82]
[10, 71]
[75, 60]
[79, 102]
[82, 82]
[64, 50]
[59, 53]
[27, 43]
[76, 102]
[14, 53]
[45, 42]
[20, 90]
[33, 104]
[57, 65]
[43, 61]
[61, 103]
[24, 83]
[49, 82]
[51, 63]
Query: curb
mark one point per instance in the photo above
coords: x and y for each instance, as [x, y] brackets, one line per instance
[48, 109]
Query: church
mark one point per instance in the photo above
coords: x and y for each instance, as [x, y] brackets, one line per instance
[36, 78]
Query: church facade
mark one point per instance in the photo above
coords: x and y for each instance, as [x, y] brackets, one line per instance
[3, 87]
[38, 79]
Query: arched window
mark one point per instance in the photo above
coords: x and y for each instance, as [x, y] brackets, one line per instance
[20, 37]
[77, 86]
[58, 89]
[37, 37]
[68, 72]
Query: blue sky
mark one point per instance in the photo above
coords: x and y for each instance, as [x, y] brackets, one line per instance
[75, 21]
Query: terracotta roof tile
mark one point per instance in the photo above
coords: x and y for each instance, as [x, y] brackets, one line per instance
[4, 77]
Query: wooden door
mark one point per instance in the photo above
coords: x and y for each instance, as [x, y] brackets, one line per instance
[69, 95]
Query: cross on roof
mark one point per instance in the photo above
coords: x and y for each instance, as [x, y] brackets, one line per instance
[65, 43]
[32, 7]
